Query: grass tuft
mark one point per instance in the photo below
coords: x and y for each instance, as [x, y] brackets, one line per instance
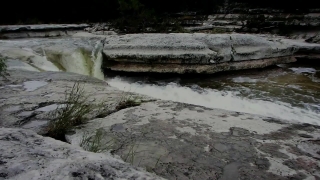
[74, 112]
[3, 68]
[95, 143]
[127, 101]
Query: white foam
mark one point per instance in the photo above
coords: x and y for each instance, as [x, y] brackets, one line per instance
[227, 100]
[96, 69]
[300, 70]
[244, 80]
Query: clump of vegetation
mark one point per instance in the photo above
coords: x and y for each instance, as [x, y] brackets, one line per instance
[3, 68]
[74, 112]
[95, 143]
[127, 101]
[131, 154]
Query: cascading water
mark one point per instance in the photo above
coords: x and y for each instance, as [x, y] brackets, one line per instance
[79, 61]
[97, 58]
[265, 95]
[76, 60]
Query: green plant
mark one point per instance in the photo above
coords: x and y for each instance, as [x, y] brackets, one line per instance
[127, 101]
[131, 153]
[74, 112]
[3, 67]
[95, 143]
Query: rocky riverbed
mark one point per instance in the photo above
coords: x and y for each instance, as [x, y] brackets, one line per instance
[174, 140]
[157, 138]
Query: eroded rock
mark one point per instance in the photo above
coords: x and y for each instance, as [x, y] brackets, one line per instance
[26, 155]
[31, 96]
[183, 141]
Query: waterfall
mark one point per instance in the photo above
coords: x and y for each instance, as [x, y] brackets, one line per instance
[97, 58]
[76, 60]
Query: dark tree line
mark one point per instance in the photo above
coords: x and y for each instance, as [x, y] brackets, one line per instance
[74, 11]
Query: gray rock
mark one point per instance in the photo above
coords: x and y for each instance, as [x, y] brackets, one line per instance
[314, 39]
[197, 48]
[26, 155]
[174, 140]
[46, 27]
[162, 53]
[30, 96]
[40, 31]
[189, 142]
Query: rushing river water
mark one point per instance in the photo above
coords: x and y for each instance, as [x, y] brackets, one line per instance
[288, 91]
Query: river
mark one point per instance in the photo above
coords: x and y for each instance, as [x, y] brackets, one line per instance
[287, 91]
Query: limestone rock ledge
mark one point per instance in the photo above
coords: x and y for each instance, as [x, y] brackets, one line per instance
[41, 30]
[161, 53]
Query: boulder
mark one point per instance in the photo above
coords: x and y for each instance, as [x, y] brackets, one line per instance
[314, 39]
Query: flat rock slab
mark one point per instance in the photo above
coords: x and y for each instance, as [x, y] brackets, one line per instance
[40, 30]
[27, 155]
[41, 27]
[27, 98]
[198, 48]
[174, 140]
[181, 141]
